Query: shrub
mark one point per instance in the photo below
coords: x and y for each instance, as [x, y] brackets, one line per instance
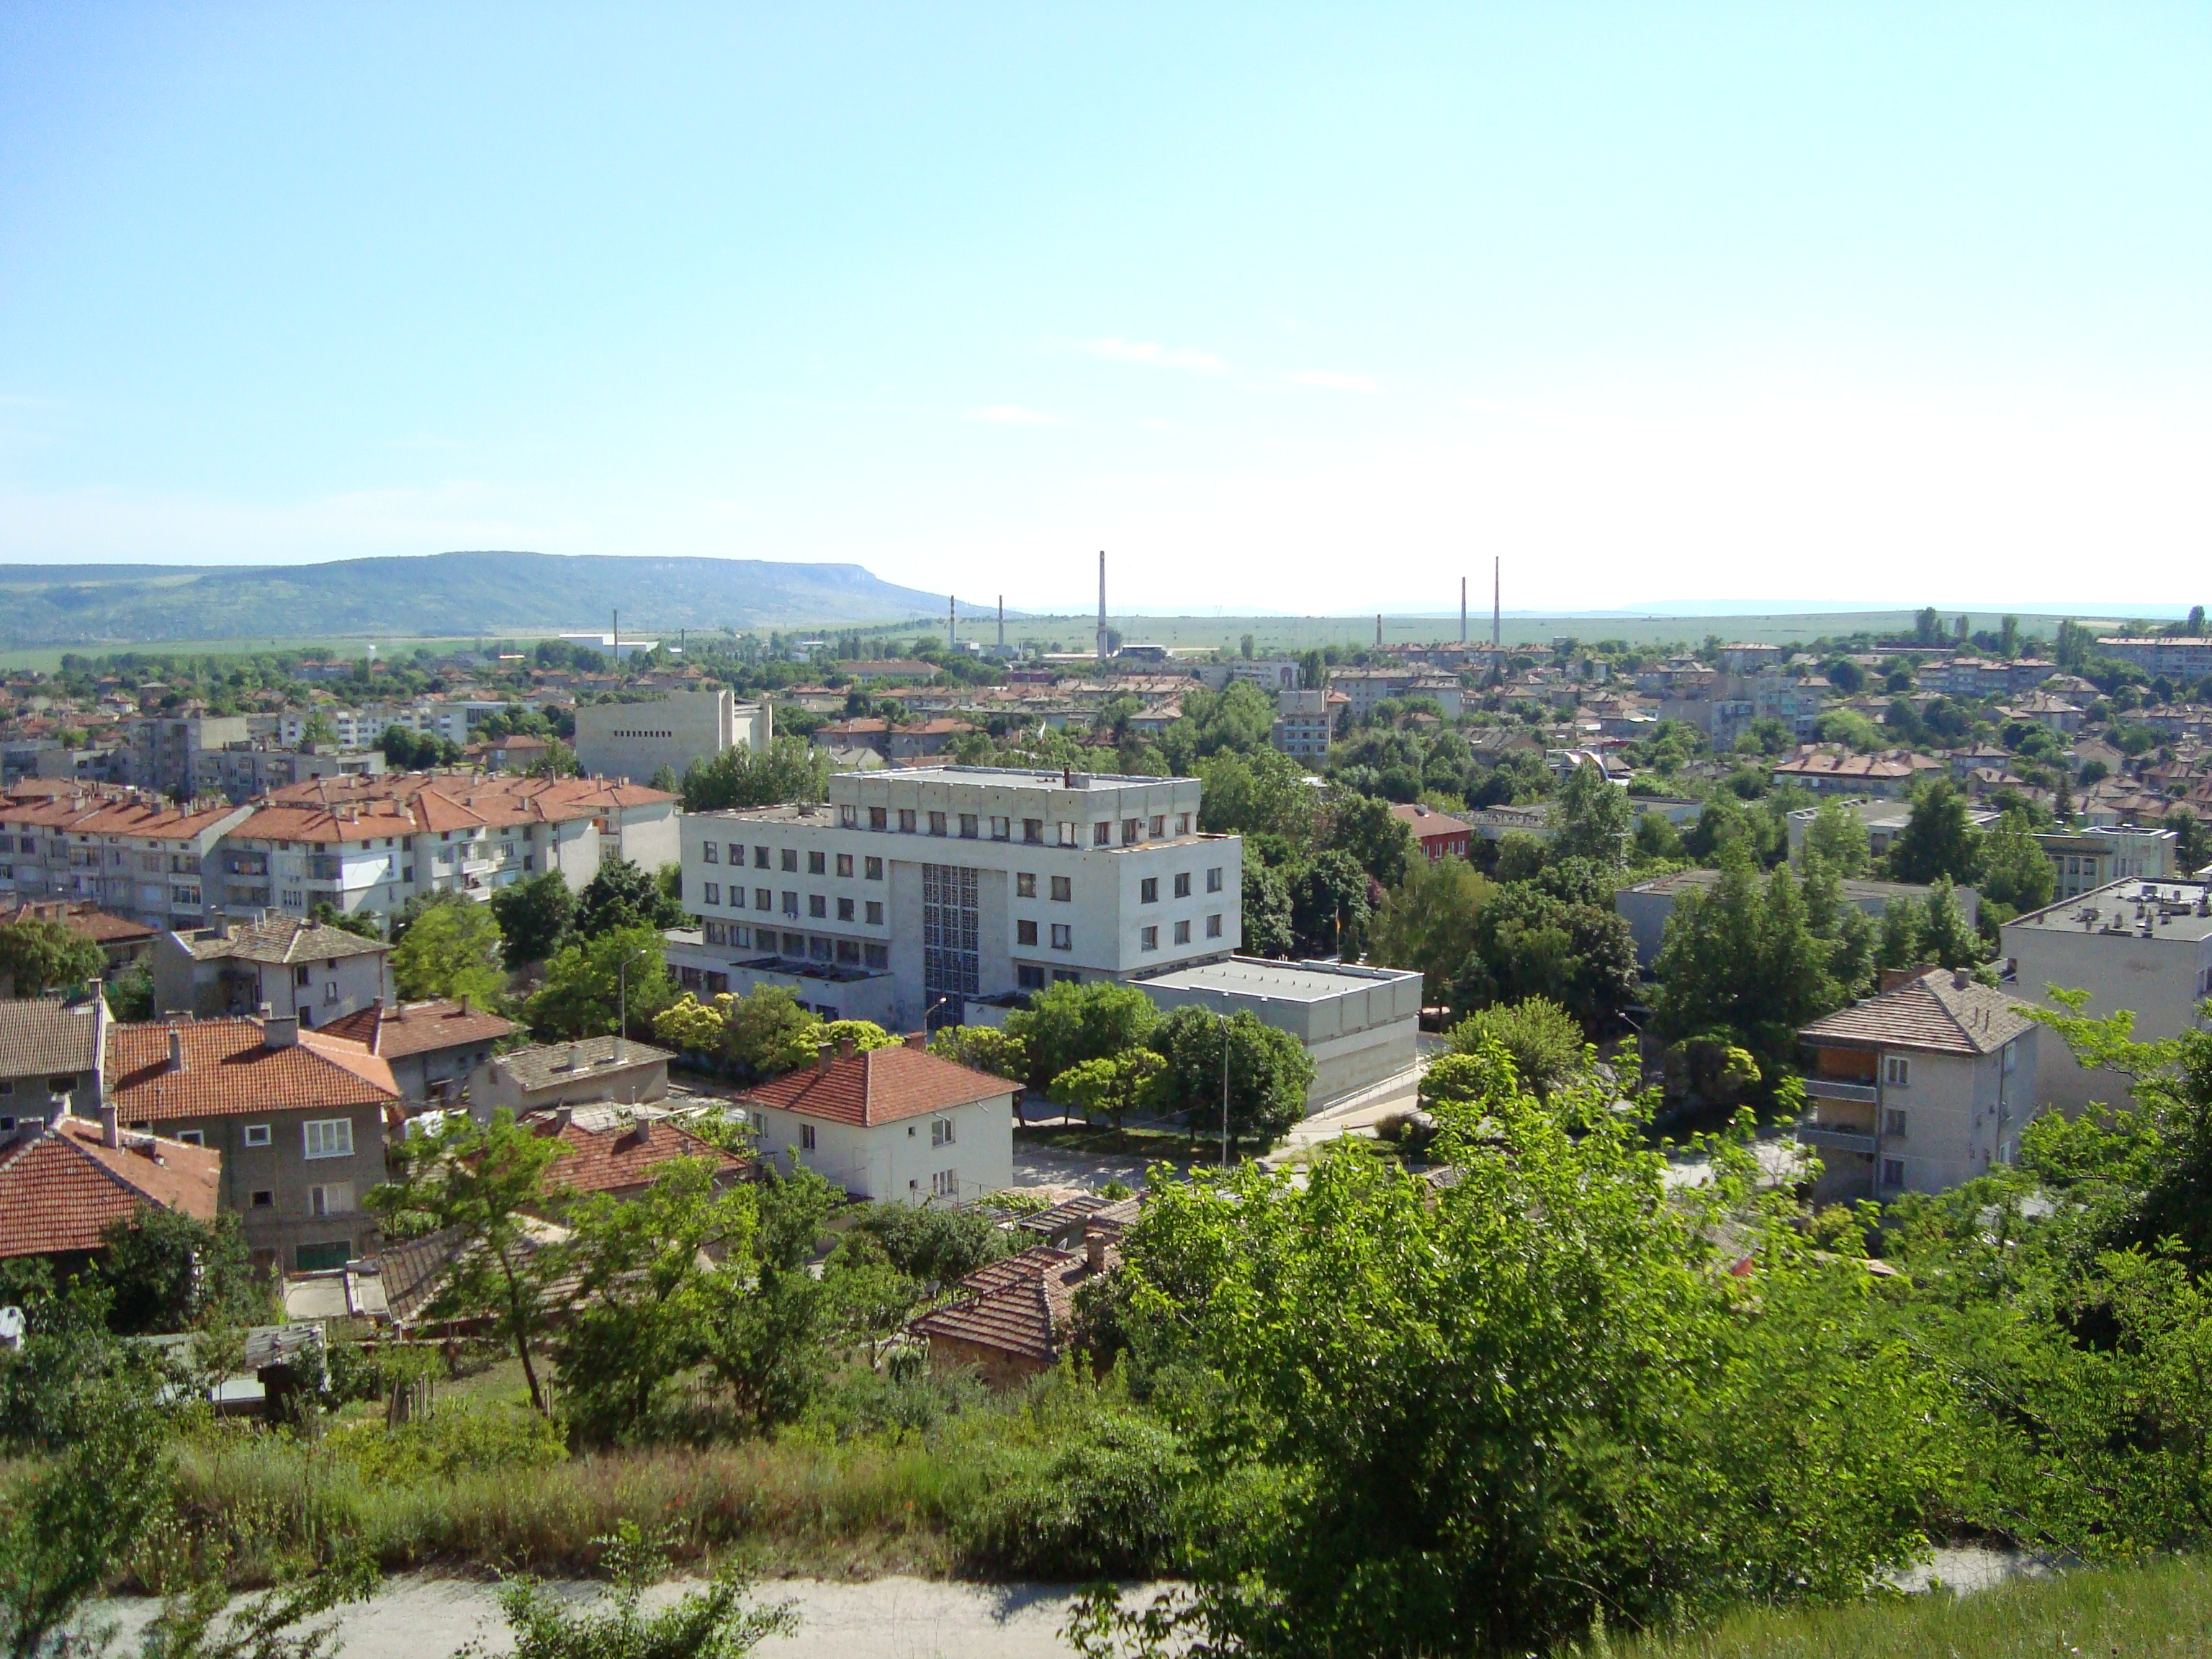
[1105, 1507]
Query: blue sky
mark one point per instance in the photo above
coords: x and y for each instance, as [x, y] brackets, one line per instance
[1287, 308]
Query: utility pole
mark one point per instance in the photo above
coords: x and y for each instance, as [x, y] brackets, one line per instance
[1102, 605]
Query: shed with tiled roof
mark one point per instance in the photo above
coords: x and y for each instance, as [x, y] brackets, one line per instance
[1009, 1320]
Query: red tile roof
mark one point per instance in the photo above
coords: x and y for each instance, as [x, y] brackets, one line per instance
[81, 917]
[61, 1189]
[1020, 1304]
[615, 1159]
[230, 1072]
[416, 1028]
[1932, 1012]
[882, 1085]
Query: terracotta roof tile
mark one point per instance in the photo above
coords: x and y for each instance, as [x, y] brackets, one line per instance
[617, 1158]
[61, 1189]
[1020, 1304]
[416, 1028]
[882, 1085]
[1932, 1012]
[230, 1072]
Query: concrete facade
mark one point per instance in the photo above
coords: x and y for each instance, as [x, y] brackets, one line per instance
[636, 739]
[1359, 1025]
[961, 884]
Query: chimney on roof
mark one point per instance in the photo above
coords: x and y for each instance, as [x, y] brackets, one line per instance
[281, 1033]
[563, 1116]
[846, 1047]
[825, 1056]
[575, 1056]
[176, 1049]
[916, 1040]
[111, 1126]
[467, 998]
[1962, 978]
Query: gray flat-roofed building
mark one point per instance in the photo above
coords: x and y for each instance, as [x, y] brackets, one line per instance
[1646, 906]
[1358, 1024]
[636, 739]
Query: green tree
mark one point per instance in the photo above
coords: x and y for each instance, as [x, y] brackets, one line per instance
[1268, 1073]
[2016, 872]
[766, 1348]
[1364, 827]
[1264, 792]
[1657, 841]
[1593, 819]
[361, 924]
[1066, 1025]
[485, 1188]
[990, 1049]
[38, 956]
[1117, 1085]
[1330, 906]
[165, 1270]
[1528, 943]
[559, 761]
[716, 1622]
[789, 769]
[1939, 839]
[1566, 1409]
[534, 917]
[1266, 919]
[624, 896]
[316, 730]
[452, 952]
[1544, 1041]
[130, 995]
[1839, 836]
[770, 1034]
[590, 980]
[1427, 922]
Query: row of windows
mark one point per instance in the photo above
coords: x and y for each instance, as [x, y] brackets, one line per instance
[971, 826]
[329, 1137]
[818, 864]
[800, 947]
[1148, 939]
[817, 904]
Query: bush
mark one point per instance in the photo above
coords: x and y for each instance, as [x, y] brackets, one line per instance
[1106, 1507]
[934, 1245]
[447, 1443]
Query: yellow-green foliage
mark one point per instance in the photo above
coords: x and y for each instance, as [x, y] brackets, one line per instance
[471, 1441]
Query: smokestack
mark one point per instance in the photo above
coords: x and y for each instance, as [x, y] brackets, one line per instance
[1378, 631]
[952, 622]
[1101, 604]
[1496, 591]
[614, 640]
[1002, 624]
[1463, 611]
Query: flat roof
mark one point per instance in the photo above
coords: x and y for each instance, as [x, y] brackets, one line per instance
[2170, 909]
[1286, 982]
[1852, 887]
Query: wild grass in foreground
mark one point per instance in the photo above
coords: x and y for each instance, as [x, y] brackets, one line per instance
[2164, 1609]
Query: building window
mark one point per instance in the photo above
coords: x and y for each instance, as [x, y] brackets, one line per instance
[1214, 880]
[848, 817]
[1062, 937]
[1213, 926]
[845, 865]
[1001, 829]
[1063, 889]
[872, 869]
[806, 1137]
[906, 820]
[1893, 1125]
[819, 950]
[937, 823]
[1892, 1172]
[1897, 1071]
[1028, 978]
[760, 857]
[257, 1134]
[1148, 939]
[967, 826]
[1159, 826]
[1067, 836]
[711, 892]
[791, 905]
[1182, 883]
[946, 1183]
[1148, 891]
[192, 1137]
[940, 1132]
[848, 952]
[1182, 824]
[844, 909]
[1183, 933]
[818, 864]
[1025, 933]
[327, 1137]
[262, 1199]
[708, 853]
[1033, 830]
[1101, 835]
[876, 956]
[875, 912]
[334, 1199]
[795, 944]
[1025, 884]
[817, 907]
[791, 860]
[879, 818]
[1133, 831]
[762, 899]
[303, 975]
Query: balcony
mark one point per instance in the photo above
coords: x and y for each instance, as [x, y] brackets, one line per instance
[1829, 1088]
[1835, 1139]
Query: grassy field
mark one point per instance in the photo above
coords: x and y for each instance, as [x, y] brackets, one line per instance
[46, 659]
[2162, 1609]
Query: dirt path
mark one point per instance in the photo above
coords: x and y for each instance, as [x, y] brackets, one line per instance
[420, 1617]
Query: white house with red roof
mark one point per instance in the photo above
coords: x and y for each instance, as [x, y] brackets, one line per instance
[896, 1124]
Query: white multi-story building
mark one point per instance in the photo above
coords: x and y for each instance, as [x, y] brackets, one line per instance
[636, 739]
[909, 894]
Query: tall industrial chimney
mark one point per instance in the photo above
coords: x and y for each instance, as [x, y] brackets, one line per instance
[1497, 589]
[1101, 604]
[951, 622]
[1463, 611]
[1002, 624]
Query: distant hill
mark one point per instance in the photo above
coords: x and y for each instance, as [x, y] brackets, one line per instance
[440, 594]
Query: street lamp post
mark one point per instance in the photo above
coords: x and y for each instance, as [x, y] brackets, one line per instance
[622, 993]
[1224, 1092]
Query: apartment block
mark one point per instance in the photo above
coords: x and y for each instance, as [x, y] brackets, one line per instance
[636, 739]
[2177, 660]
[907, 894]
[306, 970]
[2144, 946]
[1305, 722]
[1919, 1089]
[164, 752]
[132, 855]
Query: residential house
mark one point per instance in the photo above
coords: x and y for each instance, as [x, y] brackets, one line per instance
[51, 1052]
[432, 1047]
[244, 771]
[1010, 1320]
[121, 940]
[297, 1116]
[1919, 1089]
[895, 1125]
[165, 751]
[2178, 660]
[131, 854]
[545, 1076]
[63, 1186]
[307, 969]
[1838, 771]
[1439, 835]
[2044, 708]
[620, 1151]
